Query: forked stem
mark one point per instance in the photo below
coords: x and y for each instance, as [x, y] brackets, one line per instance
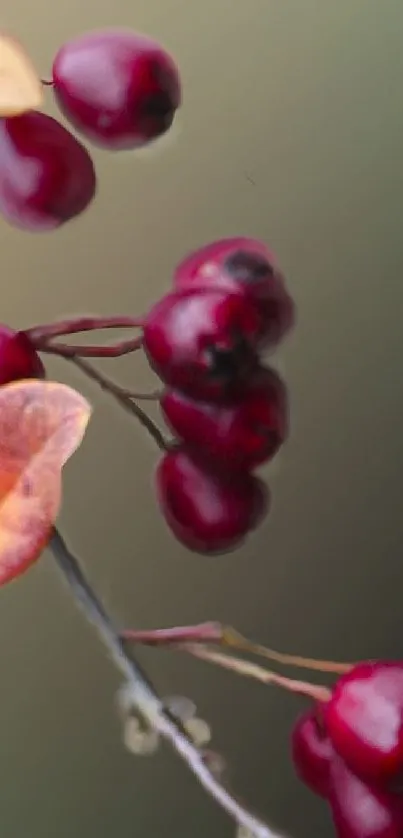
[42, 338]
[194, 640]
[232, 639]
[227, 637]
[315, 692]
[123, 398]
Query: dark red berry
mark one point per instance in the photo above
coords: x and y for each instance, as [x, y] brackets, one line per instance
[18, 358]
[241, 434]
[208, 511]
[312, 753]
[362, 811]
[202, 342]
[364, 719]
[46, 176]
[117, 87]
[248, 267]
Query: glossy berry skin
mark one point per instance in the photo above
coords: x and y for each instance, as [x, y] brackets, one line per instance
[46, 176]
[312, 753]
[118, 88]
[364, 719]
[245, 266]
[18, 358]
[241, 434]
[207, 511]
[362, 811]
[202, 342]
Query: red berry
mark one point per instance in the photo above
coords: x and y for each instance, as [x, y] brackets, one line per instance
[241, 433]
[202, 342]
[208, 511]
[18, 358]
[364, 719]
[244, 266]
[117, 87]
[46, 176]
[312, 753]
[360, 811]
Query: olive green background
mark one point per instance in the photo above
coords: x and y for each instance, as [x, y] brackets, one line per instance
[292, 131]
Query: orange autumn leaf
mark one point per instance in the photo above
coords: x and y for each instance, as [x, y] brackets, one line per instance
[42, 423]
[21, 88]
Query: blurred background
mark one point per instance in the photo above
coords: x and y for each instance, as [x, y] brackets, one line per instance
[291, 131]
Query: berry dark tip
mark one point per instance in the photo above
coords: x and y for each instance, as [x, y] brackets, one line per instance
[158, 105]
[159, 109]
[230, 364]
[248, 267]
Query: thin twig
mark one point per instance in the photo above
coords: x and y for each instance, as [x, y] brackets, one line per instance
[143, 695]
[316, 692]
[123, 398]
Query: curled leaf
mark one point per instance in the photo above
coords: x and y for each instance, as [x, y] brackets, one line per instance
[184, 709]
[42, 423]
[21, 88]
[139, 737]
[199, 731]
[139, 740]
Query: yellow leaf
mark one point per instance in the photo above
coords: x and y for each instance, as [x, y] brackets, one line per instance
[42, 423]
[21, 89]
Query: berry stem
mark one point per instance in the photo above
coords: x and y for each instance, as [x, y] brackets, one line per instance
[42, 337]
[202, 633]
[47, 82]
[123, 397]
[115, 350]
[234, 640]
[110, 386]
[143, 696]
[315, 692]
[228, 637]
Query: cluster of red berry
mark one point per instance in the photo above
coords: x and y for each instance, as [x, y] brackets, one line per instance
[118, 89]
[228, 412]
[204, 340]
[349, 750]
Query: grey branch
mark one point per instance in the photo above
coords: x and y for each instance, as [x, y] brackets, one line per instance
[143, 695]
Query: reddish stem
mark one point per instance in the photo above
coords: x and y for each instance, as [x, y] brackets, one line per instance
[228, 638]
[201, 633]
[314, 692]
[193, 639]
[123, 398]
[87, 323]
[42, 336]
[114, 350]
[47, 82]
